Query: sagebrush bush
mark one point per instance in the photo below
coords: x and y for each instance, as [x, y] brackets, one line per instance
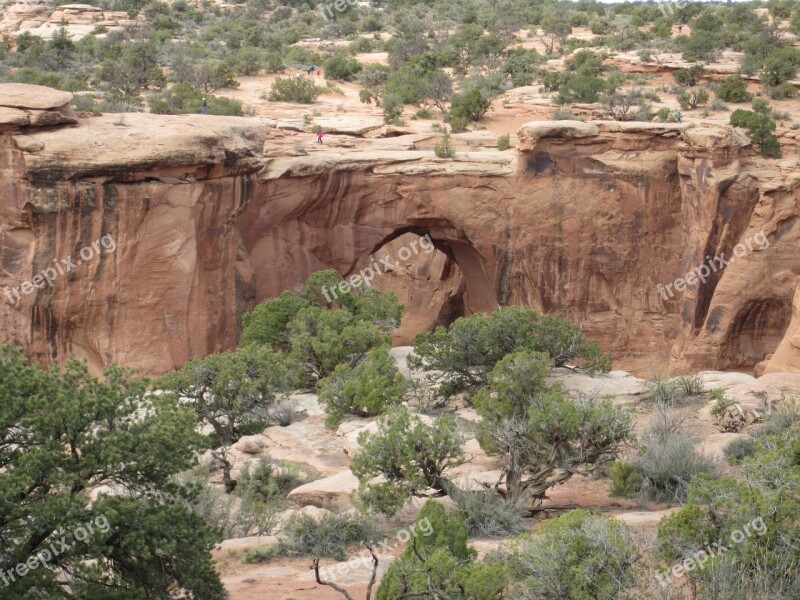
[739, 449]
[504, 142]
[669, 458]
[485, 514]
[328, 536]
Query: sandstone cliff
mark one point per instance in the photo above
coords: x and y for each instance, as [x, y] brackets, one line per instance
[211, 215]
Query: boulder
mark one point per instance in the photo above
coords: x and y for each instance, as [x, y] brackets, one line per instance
[330, 493]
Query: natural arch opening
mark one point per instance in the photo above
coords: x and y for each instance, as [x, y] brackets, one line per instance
[435, 278]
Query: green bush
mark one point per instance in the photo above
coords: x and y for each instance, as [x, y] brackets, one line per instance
[182, 98]
[325, 537]
[760, 128]
[444, 147]
[440, 564]
[470, 105]
[739, 449]
[688, 77]
[485, 514]
[783, 91]
[405, 457]
[504, 142]
[625, 479]
[300, 90]
[367, 390]
[342, 68]
[267, 481]
[576, 555]
[692, 98]
[780, 66]
[721, 402]
[733, 89]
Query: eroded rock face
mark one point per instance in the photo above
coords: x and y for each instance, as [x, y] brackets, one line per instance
[211, 215]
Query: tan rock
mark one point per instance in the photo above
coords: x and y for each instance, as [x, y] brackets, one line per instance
[26, 95]
[786, 357]
[536, 130]
[13, 116]
[330, 493]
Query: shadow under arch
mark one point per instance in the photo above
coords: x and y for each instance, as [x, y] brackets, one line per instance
[479, 294]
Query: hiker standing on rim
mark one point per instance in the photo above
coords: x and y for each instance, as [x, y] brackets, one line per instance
[204, 108]
[320, 133]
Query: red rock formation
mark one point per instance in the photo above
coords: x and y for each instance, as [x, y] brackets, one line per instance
[211, 215]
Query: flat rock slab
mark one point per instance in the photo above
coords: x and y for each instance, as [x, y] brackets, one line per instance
[26, 95]
[13, 116]
[331, 493]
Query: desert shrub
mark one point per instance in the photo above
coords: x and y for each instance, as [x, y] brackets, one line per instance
[342, 68]
[579, 87]
[460, 357]
[760, 128]
[691, 385]
[504, 142]
[281, 413]
[739, 449]
[781, 419]
[721, 402]
[627, 105]
[665, 115]
[267, 481]
[440, 564]
[782, 91]
[688, 77]
[625, 479]
[717, 104]
[423, 113]
[300, 90]
[392, 109]
[565, 114]
[664, 390]
[236, 516]
[761, 507]
[444, 147]
[761, 106]
[485, 514]
[470, 105]
[669, 458]
[325, 537]
[408, 455]
[692, 98]
[576, 555]
[733, 89]
[182, 98]
[366, 390]
[780, 66]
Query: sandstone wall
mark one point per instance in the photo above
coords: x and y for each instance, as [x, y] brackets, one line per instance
[211, 215]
